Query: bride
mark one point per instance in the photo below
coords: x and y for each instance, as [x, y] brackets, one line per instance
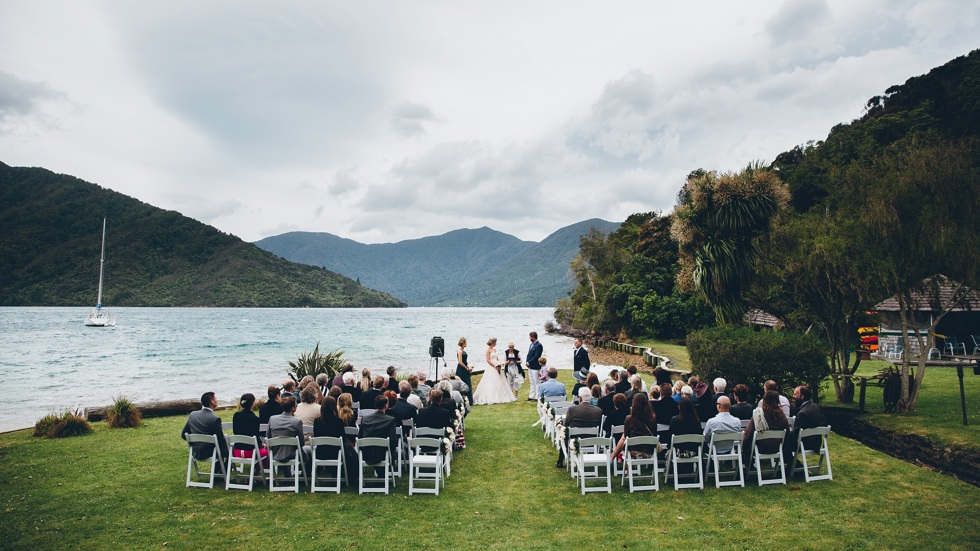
[493, 389]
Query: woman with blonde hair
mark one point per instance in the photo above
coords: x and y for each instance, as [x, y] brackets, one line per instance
[365, 383]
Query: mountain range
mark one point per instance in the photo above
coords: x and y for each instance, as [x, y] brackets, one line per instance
[466, 267]
[52, 226]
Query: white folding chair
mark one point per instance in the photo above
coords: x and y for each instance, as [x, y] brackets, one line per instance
[822, 454]
[438, 434]
[745, 423]
[792, 421]
[615, 433]
[775, 459]
[734, 456]
[227, 427]
[216, 469]
[633, 466]
[677, 457]
[385, 464]
[554, 398]
[425, 463]
[593, 454]
[296, 464]
[334, 448]
[400, 451]
[238, 466]
[576, 433]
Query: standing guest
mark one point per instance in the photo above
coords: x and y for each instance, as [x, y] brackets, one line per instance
[308, 410]
[287, 425]
[582, 415]
[723, 421]
[783, 401]
[742, 408]
[641, 422]
[434, 415]
[463, 369]
[767, 416]
[580, 362]
[289, 389]
[350, 386]
[552, 387]
[205, 421]
[402, 410]
[246, 423]
[378, 425]
[513, 369]
[415, 397]
[338, 380]
[271, 407]
[686, 422]
[533, 363]
[323, 383]
[618, 415]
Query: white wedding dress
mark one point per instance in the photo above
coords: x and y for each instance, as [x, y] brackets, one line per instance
[493, 388]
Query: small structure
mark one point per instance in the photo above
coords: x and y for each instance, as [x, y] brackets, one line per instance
[962, 321]
[761, 318]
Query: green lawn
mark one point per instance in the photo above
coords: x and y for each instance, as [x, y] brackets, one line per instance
[125, 488]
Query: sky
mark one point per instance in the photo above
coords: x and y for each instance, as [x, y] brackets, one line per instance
[382, 121]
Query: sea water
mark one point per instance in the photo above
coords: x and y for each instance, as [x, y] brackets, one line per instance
[50, 361]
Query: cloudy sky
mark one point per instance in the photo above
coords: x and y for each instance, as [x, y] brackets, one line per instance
[382, 121]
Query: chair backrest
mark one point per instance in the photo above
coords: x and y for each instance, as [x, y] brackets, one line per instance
[427, 444]
[562, 403]
[350, 431]
[283, 441]
[662, 427]
[816, 431]
[263, 428]
[642, 441]
[597, 441]
[227, 425]
[202, 439]
[770, 435]
[369, 442]
[327, 441]
[745, 423]
[307, 429]
[554, 398]
[718, 438]
[686, 439]
[429, 432]
[616, 431]
[792, 421]
[242, 440]
[578, 432]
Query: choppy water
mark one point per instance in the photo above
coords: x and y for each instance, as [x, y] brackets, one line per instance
[50, 361]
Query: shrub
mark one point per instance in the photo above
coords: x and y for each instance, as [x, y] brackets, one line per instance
[742, 355]
[315, 363]
[123, 414]
[69, 423]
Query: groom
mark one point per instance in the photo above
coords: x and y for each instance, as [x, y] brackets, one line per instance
[531, 361]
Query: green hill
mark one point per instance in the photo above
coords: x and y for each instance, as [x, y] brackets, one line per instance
[52, 223]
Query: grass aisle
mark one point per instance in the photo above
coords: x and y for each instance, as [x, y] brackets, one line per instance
[126, 488]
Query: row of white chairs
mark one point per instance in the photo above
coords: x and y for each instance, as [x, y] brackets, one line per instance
[422, 453]
[590, 461]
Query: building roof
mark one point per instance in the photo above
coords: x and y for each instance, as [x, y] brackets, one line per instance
[922, 298]
[759, 317]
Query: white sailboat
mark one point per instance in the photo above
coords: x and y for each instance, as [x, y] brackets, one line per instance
[99, 317]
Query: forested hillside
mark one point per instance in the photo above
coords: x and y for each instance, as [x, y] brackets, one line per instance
[52, 223]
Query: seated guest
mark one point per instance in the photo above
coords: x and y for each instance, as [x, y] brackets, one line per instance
[424, 387]
[393, 381]
[686, 422]
[664, 409]
[662, 376]
[552, 387]
[334, 392]
[723, 421]
[329, 424]
[289, 389]
[345, 410]
[768, 416]
[350, 387]
[402, 410]
[582, 415]
[368, 396]
[631, 371]
[596, 394]
[434, 415]
[676, 391]
[365, 383]
[455, 382]
[338, 380]
[636, 387]
[605, 403]
[392, 397]
[246, 423]
[415, 396]
[641, 422]
[205, 421]
[711, 402]
[742, 408]
[378, 425]
[323, 384]
[271, 407]
[618, 415]
[450, 398]
[286, 424]
[622, 380]
[308, 409]
[808, 416]
[783, 401]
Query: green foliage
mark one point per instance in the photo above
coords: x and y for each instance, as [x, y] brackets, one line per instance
[314, 363]
[69, 423]
[51, 225]
[123, 414]
[742, 355]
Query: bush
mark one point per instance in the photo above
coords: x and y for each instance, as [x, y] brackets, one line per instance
[742, 355]
[69, 423]
[123, 414]
[315, 363]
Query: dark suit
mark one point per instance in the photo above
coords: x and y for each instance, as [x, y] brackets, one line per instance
[367, 398]
[269, 409]
[378, 426]
[245, 423]
[808, 417]
[582, 415]
[606, 404]
[622, 387]
[433, 416]
[204, 421]
[580, 359]
[354, 391]
[403, 411]
[742, 410]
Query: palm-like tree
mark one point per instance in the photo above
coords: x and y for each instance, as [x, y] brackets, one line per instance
[716, 222]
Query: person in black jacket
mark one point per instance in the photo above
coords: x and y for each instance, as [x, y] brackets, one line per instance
[271, 407]
[246, 423]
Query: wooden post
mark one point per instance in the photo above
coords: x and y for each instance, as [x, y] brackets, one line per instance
[864, 383]
[959, 373]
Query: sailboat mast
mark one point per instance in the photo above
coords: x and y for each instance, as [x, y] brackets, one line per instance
[98, 303]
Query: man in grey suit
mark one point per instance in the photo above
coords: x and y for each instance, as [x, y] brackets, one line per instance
[205, 421]
[287, 424]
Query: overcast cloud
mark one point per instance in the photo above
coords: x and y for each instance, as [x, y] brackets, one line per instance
[387, 120]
